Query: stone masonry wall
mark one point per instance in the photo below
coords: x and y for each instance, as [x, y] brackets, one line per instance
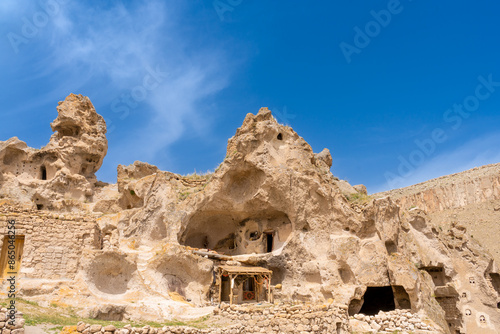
[53, 243]
[8, 328]
[392, 321]
[243, 319]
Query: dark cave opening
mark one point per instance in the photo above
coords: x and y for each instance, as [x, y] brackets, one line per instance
[437, 274]
[391, 247]
[378, 298]
[43, 173]
[269, 242]
[495, 281]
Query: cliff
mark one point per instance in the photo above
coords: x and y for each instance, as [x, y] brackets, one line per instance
[470, 198]
[477, 185]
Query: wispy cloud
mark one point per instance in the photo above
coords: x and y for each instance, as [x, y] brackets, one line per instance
[474, 153]
[106, 50]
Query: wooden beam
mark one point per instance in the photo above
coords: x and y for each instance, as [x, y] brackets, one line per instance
[213, 255]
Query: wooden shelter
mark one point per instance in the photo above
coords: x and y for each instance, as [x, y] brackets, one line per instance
[244, 284]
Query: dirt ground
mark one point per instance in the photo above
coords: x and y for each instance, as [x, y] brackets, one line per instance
[41, 329]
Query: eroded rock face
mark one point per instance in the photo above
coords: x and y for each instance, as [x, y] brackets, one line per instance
[471, 198]
[60, 175]
[79, 141]
[272, 202]
[454, 191]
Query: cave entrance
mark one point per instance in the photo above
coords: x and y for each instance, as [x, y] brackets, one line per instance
[378, 298]
[437, 275]
[451, 312]
[495, 281]
[43, 173]
[233, 233]
[391, 247]
[269, 241]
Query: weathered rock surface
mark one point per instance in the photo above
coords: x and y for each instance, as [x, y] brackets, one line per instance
[470, 198]
[476, 185]
[61, 175]
[274, 203]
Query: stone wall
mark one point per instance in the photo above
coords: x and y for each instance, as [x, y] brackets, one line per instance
[397, 320]
[330, 318]
[53, 243]
[6, 327]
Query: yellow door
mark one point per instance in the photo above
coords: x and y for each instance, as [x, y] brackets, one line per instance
[10, 260]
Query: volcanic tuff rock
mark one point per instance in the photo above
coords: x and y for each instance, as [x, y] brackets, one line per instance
[274, 203]
[476, 185]
[64, 170]
[470, 198]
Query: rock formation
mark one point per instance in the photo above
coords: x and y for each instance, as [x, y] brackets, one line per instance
[454, 191]
[470, 198]
[272, 203]
[63, 171]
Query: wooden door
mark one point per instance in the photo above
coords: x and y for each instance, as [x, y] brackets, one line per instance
[12, 268]
[225, 288]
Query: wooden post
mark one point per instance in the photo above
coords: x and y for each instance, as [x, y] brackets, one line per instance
[257, 288]
[219, 282]
[269, 288]
[231, 291]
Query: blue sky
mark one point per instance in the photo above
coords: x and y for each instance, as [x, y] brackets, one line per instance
[399, 91]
